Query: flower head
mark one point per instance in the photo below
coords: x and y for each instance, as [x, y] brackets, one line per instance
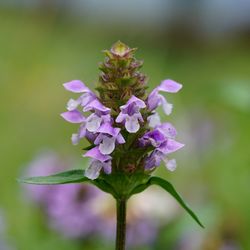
[121, 123]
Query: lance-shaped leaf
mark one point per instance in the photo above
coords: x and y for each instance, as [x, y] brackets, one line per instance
[71, 176]
[170, 189]
[67, 177]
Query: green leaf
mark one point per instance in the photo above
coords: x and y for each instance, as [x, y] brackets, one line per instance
[71, 176]
[170, 189]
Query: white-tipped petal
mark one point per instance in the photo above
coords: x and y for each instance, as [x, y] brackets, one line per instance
[154, 120]
[107, 145]
[72, 104]
[167, 107]
[93, 123]
[75, 139]
[171, 165]
[93, 170]
[132, 124]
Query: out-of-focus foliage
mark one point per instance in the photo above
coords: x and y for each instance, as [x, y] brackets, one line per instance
[40, 50]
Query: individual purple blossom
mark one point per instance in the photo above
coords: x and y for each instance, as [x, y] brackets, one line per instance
[130, 114]
[162, 139]
[101, 115]
[155, 99]
[107, 138]
[155, 158]
[76, 86]
[99, 161]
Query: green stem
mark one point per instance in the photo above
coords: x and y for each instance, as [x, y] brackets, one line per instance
[121, 224]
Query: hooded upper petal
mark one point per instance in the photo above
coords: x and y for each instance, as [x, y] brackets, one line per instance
[170, 86]
[170, 146]
[96, 154]
[96, 105]
[167, 129]
[73, 116]
[76, 86]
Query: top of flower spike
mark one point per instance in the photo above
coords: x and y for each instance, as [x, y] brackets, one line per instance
[120, 49]
[120, 77]
[124, 118]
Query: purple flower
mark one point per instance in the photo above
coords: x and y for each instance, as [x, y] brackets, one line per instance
[76, 86]
[159, 135]
[107, 138]
[73, 116]
[162, 139]
[99, 162]
[155, 99]
[101, 115]
[130, 114]
[155, 158]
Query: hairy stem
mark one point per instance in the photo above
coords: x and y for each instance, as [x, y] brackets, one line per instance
[121, 224]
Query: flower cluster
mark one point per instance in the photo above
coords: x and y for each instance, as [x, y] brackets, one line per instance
[121, 123]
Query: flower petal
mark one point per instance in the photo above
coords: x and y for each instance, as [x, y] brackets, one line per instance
[107, 167]
[106, 128]
[167, 107]
[133, 99]
[170, 86]
[97, 106]
[96, 154]
[120, 139]
[73, 116]
[76, 86]
[132, 124]
[72, 104]
[154, 120]
[75, 139]
[153, 100]
[167, 129]
[82, 130]
[93, 123]
[86, 98]
[171, 165]
[121, 117]
[170, 146]
[153, 160]
[107, 145]
[93, 171]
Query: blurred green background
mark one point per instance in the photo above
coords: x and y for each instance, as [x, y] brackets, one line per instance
[204, 46]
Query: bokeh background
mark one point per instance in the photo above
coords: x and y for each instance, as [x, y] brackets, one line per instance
[203, 44]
